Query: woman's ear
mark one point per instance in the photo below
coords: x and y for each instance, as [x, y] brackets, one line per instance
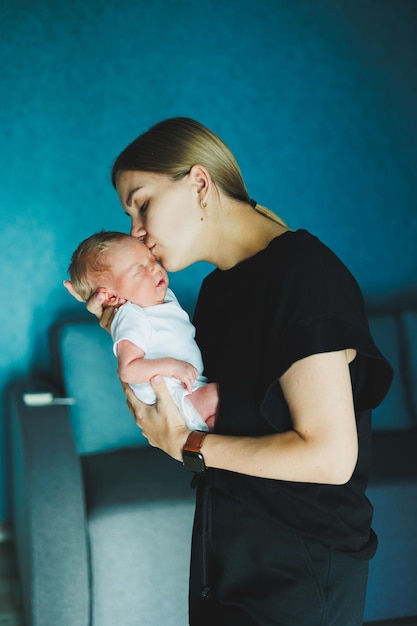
[201, 179]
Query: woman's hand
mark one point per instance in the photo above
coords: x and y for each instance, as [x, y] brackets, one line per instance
[68, 286]
[97, 304]
[161, 423]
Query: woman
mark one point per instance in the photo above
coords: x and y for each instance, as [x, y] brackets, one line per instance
[282, 532]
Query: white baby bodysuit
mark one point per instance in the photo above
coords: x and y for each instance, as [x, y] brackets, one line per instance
[162, 330]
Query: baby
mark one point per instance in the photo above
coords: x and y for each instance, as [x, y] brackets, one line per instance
[152, 335]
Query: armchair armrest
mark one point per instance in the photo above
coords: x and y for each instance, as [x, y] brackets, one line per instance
[48, 509]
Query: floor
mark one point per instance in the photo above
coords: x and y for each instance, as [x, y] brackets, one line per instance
[10, 599]
[407, 621]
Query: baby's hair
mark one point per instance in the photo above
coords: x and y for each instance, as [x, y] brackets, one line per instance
[88, 261]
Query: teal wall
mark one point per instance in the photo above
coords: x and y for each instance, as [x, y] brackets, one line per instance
[316, 98]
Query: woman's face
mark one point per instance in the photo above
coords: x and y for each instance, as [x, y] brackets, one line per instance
[165, 214]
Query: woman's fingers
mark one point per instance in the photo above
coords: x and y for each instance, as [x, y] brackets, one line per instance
[135, 405]
[161, 390]
[68, 286]
[107, 317]
[98, 304]
[161, 423]
[95, 304]
[165, 403]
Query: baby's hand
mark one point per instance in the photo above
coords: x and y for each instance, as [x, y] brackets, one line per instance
[186, 373]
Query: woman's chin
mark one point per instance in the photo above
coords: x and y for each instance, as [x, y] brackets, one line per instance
[171, 266]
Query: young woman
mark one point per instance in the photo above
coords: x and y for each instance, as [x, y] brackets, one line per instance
[282, 532]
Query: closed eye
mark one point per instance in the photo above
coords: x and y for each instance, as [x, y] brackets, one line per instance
[137, 268]
[143, 207]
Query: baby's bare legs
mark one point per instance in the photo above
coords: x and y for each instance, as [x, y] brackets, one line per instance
[206, 401]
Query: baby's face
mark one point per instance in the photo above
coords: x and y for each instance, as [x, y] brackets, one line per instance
[136, 274]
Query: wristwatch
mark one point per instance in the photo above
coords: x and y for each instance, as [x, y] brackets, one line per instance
[192, 457]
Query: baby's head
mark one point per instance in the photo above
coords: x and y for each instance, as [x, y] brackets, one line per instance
[120, 266]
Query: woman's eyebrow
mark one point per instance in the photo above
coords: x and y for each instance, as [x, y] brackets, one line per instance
[130, 196]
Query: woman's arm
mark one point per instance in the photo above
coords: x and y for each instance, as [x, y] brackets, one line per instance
[321, 448]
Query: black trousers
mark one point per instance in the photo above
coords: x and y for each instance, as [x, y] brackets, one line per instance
[260, 574]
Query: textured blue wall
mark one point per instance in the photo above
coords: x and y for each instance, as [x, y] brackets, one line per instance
[316, 98]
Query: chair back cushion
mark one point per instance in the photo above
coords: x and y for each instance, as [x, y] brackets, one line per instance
[393, 413]
[409, 321]
[86, 368]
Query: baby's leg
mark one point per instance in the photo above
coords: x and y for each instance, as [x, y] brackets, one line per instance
[206, 401]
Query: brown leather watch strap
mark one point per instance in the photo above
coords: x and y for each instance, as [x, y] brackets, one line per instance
[195, 441]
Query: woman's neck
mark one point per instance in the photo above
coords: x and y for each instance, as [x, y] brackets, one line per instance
[240, 232]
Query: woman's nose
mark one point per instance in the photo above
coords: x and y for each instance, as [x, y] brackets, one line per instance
[137, 230]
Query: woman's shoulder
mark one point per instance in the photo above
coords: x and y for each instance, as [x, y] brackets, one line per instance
[299, 255]
[307, 255]
[296, 260]
[300, 244]
[307, 279]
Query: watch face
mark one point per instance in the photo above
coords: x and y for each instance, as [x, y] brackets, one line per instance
[194, 461]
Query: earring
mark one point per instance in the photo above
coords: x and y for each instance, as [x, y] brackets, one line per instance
[203, 204]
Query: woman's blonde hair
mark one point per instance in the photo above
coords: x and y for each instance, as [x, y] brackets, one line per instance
[174, 145]
[88, 262]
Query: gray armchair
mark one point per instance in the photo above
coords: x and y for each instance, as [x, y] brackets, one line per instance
[102, 521]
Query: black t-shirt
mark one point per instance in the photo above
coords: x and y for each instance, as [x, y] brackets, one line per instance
[289, 301]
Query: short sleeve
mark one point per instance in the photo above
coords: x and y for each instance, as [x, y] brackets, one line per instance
[373, 373]
[324, 311]
[132, 324]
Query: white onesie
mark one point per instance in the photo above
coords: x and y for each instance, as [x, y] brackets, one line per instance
[162, 330]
